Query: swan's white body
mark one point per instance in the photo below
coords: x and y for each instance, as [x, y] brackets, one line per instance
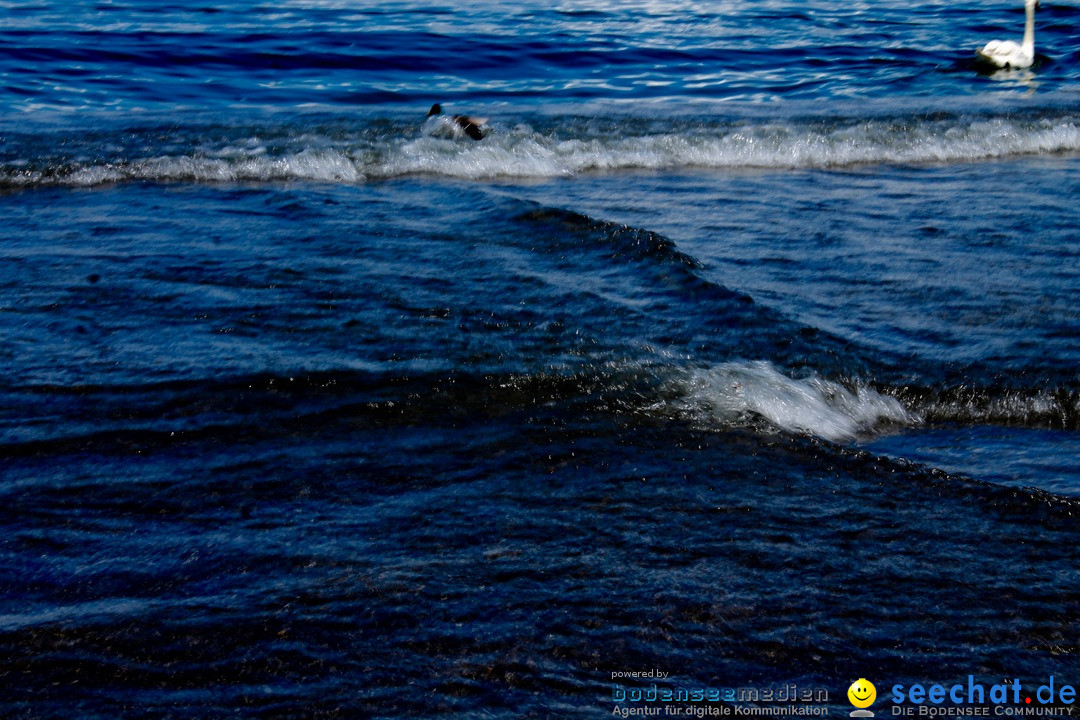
[1008, 54]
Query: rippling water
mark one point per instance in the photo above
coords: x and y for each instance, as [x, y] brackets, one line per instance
[744, 347]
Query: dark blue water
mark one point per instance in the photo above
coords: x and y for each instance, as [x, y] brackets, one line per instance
[744, 347]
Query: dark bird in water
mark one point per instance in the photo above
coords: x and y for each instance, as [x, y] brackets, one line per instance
[455, 125]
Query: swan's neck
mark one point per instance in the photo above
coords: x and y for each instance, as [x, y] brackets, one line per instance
[1029, 28]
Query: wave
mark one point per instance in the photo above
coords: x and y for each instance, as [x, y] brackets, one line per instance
[522, 152]
[558, 147]
[747, 393]
[757, 394]
[1040, 407]
[319, 166]
[754, 395]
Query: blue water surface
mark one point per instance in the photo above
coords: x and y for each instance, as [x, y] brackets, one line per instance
[743, 347]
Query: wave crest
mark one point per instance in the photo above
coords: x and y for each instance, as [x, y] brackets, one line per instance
[522, 152]
[744, 393]
[563, 146]
[319, 166]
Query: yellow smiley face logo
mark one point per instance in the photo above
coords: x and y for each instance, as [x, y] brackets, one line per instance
[862, 693]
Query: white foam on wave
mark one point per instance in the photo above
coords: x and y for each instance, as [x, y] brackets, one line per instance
[522, 152]
[322, 166]
[740, 393]
[570, 147]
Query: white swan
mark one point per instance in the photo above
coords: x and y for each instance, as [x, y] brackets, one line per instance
[1006, 53]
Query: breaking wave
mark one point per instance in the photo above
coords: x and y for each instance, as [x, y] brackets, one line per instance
[746, 393]
[522, 152]
[552, 148]
[757, 394]
[326, 166]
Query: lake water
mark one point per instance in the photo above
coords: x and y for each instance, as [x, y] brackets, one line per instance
[744, 347]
